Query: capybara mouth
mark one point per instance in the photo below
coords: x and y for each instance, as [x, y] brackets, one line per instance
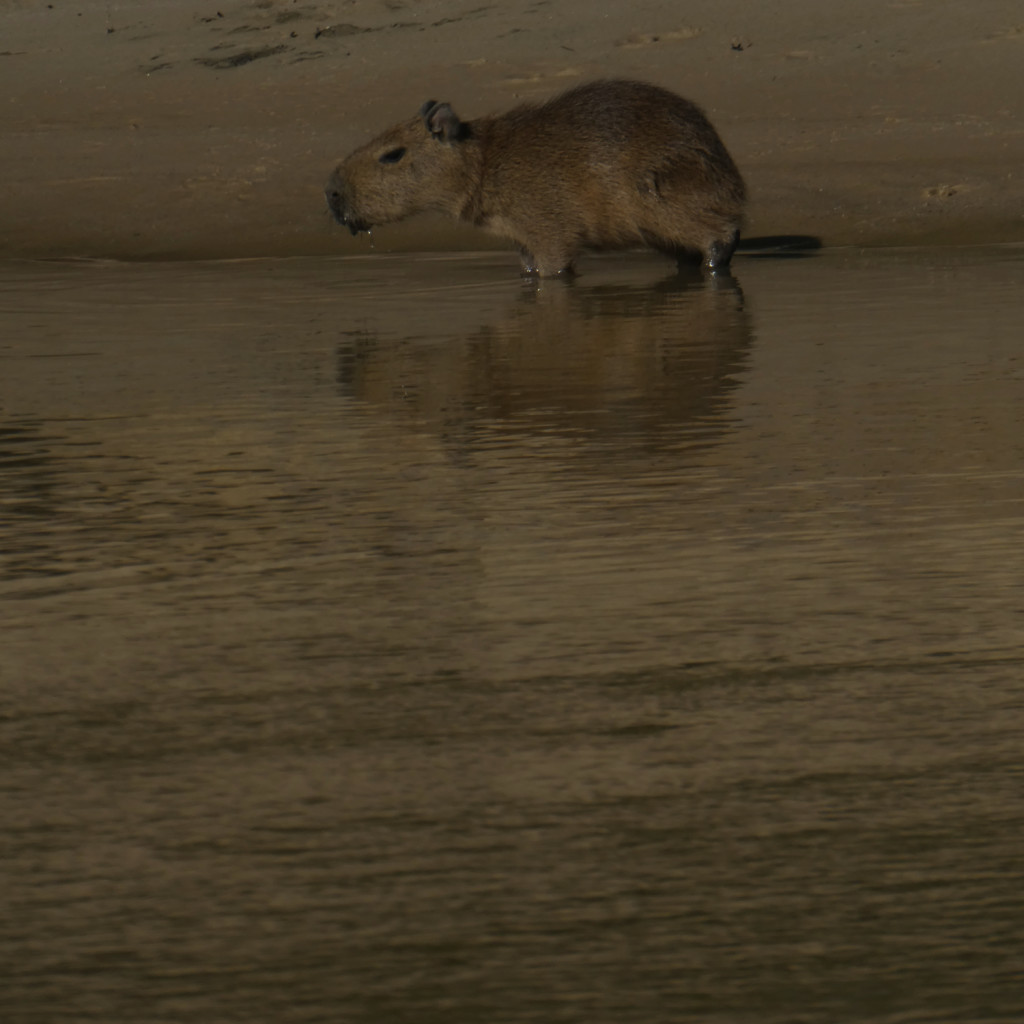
[355, 225]
[336, 204]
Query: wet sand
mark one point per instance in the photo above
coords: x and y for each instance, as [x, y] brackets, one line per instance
[199, 129]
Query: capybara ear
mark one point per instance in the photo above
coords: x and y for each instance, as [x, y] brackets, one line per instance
[442, 122]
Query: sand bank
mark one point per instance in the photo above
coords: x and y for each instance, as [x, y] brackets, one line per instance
[205, 128]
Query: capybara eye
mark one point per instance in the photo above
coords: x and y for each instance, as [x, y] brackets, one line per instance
[392, 156]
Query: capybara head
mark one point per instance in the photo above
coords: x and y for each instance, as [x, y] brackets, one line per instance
[417, 165]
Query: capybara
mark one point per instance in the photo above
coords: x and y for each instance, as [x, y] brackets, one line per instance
[607, 165]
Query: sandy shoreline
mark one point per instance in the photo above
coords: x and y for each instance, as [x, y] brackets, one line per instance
[157, 129]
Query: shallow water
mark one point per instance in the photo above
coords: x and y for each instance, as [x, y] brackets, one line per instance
[390, 639]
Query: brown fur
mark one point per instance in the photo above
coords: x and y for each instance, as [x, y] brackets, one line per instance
[608, 165]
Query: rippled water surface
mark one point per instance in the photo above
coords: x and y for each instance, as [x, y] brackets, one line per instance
[392, 640]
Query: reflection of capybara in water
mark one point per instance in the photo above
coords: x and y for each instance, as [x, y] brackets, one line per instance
[609, 165]
[609, 369]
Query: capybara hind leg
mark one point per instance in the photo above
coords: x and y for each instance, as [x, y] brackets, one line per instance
[719, 252]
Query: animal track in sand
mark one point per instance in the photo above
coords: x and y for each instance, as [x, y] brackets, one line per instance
[544, 76]
[236, 60]
[641, 39]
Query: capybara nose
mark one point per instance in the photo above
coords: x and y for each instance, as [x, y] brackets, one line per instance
[333, 201]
